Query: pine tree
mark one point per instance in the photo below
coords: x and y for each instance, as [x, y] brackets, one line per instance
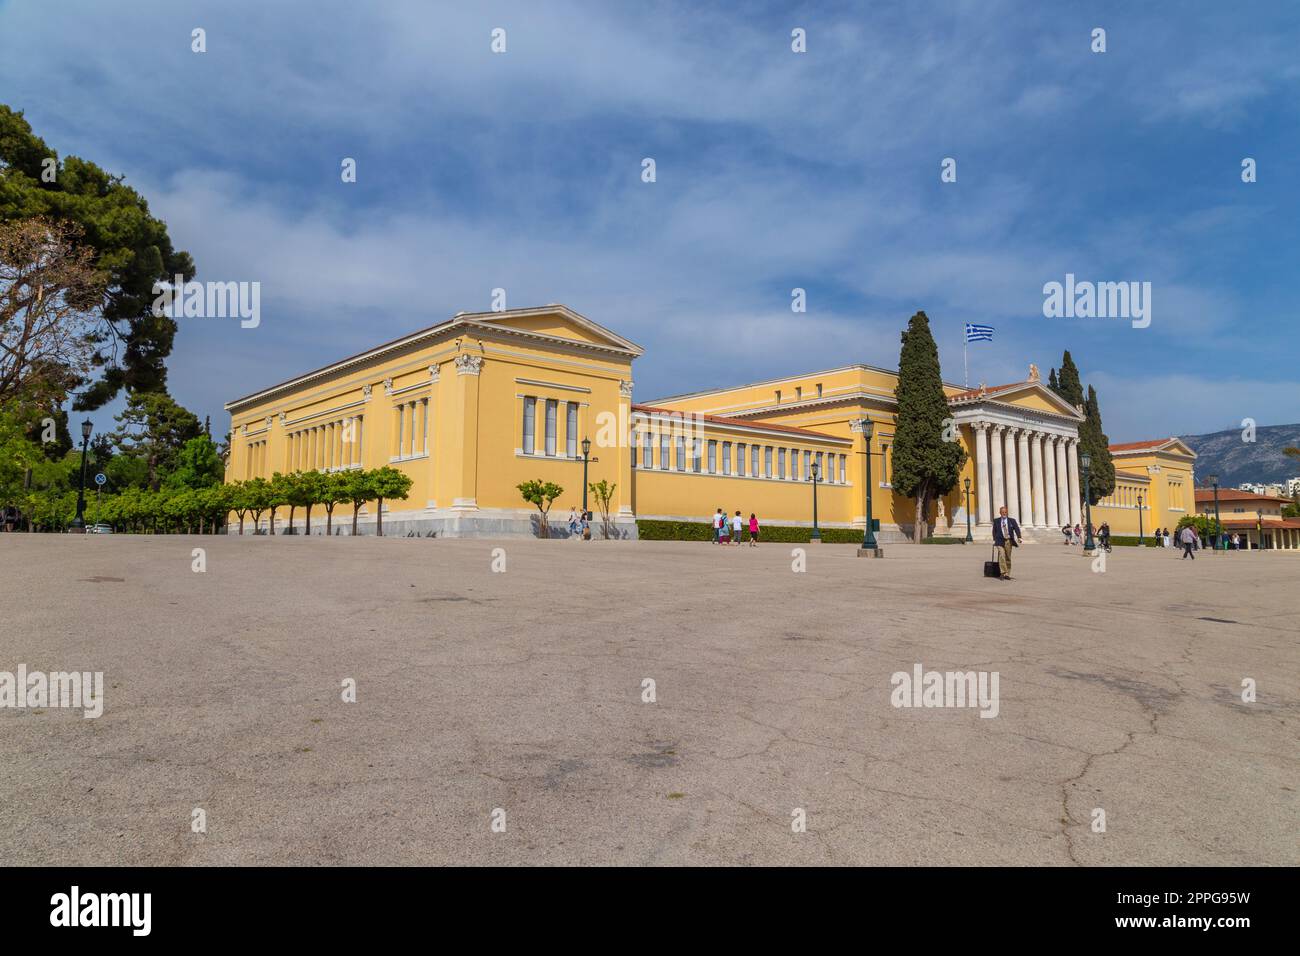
[1101, 479]
[925, 464]
[1052, 383]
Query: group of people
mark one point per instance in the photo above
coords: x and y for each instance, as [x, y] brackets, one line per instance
[1075, 536]
[580, 524]
[732, 528]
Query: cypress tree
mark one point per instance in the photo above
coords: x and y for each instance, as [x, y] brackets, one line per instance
[926, 466]
[1069, 386]
[1101, 479]
[1052, 383]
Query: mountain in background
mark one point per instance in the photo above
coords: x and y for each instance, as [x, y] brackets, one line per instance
[1236, 461]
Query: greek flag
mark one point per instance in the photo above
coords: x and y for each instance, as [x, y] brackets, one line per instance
[979, 333]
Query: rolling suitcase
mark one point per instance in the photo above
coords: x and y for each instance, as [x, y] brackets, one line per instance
[991, 568]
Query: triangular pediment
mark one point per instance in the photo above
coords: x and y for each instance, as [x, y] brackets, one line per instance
[553, 321]
[1031, 395]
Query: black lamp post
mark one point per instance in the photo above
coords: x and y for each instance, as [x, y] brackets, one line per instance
[966, 482]
[1259, 530]
[1218, 529]
[1088, 543]
[1142, 542]
[79, 522]
[816, 532]
[868, 533]
[586, 453]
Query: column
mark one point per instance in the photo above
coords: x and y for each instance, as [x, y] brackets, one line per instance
[1036, 463]
[1026, 480]
[462, 449]
[982, 490]
[1072, 463]
[999, 484]
[399, 414]
[424, 432]
[1062, 484]
[1009, 466]
[1052, 512]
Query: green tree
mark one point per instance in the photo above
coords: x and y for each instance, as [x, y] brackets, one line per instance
[926, 464]
[154, 428]
[197, 465]
[257, 497]
[603, 492]
[333, 490]
[282, 489]
[543, 495]
[307, 486]
[1093, 441]
[359, 491]
[239, 502]
[1069, 386]
[387, 482]
[1052, 382]
[132, 251]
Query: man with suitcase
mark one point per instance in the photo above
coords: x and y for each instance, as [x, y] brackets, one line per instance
[1006, 535]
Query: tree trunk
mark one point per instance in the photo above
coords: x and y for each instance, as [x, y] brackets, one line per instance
[308, 531]
[379, 517]
[241, 522]
[355, 508]
[272, 522]
[918, 529]
[292, 509]
[329, 521]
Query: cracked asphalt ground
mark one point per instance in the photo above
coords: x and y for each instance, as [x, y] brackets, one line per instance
[523, 691]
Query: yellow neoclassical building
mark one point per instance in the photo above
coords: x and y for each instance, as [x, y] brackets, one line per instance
[472, 406]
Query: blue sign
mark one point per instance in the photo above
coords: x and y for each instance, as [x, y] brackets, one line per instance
[101, 479]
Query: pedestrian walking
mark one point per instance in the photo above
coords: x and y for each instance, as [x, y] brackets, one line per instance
[737, 525]
[1188, 538]
[574, 527]
[719, 519]
[753, 530]
[1006, 535]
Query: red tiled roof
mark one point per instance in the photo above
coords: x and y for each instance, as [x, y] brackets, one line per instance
[1251, 523]
[1233, 494]
[975, 392]
[739, 423]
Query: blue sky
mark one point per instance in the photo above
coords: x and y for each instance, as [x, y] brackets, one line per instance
[775, 170]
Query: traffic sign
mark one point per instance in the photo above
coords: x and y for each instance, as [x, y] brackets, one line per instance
[101, 479]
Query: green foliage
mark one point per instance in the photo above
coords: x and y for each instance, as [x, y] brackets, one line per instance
[1069, 387]
[132, 251]
[387, 482]
[154, 429]
[1092, 440]
[926, 466]
[543, 495]
[197, 465]
[603, 492]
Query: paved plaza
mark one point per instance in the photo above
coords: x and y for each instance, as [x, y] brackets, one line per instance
[522, 691]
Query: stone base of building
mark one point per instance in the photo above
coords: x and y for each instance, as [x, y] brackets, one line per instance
[447, 523]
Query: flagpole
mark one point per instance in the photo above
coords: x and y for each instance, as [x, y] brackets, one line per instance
[965, 367]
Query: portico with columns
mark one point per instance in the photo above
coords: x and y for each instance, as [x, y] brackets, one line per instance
[1024, 440]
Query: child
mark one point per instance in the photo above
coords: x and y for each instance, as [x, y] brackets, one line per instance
[737, 524]
[753, 530]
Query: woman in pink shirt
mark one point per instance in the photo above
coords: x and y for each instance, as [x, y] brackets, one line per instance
[753, 531]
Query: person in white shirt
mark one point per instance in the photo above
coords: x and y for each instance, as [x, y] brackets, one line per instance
[736, 524]
[719, 520]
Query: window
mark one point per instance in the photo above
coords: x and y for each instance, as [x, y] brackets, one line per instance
[681, 452]
[753, 460]
[647, 453]
[844, 464]
[778, 396]
[696, 451]
[571, 430]
[633, 441]
[767, 461]
[530, 426]
[794, 464]
[663, 451]
[713, 456]
[807, 460]
[740, 458]
[884, 464]
[819, 389]
[726, 457]
[798, 392]
[821, 469]
[552, 406]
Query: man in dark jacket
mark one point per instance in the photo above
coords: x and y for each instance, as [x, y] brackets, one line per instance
[1006, 535]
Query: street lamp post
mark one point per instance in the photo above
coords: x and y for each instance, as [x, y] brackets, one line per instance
[869, 544]
[1142, 543]
[1218, 528]
[816, 532]
[966, 482]
[1259, 530]
[586, 457]
[79, 522]
[1088, 543]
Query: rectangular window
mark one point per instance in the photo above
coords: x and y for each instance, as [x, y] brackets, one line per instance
[843, 469]
[798, 392]
[794, 464]
[647, 455]
[697, 452]
[713, 457]
[884, 464]
[780, 462]
[767, 461]
[740, 458]
[530, 426]
[663, 451]
[821, 469]
[681, 452]
[726, 457]
[753, 460]
[552, 407]
[571, 429]
[807, 460]
[633, 440]
[819, 390]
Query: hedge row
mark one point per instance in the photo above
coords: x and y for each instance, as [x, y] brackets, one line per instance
[649, 530]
